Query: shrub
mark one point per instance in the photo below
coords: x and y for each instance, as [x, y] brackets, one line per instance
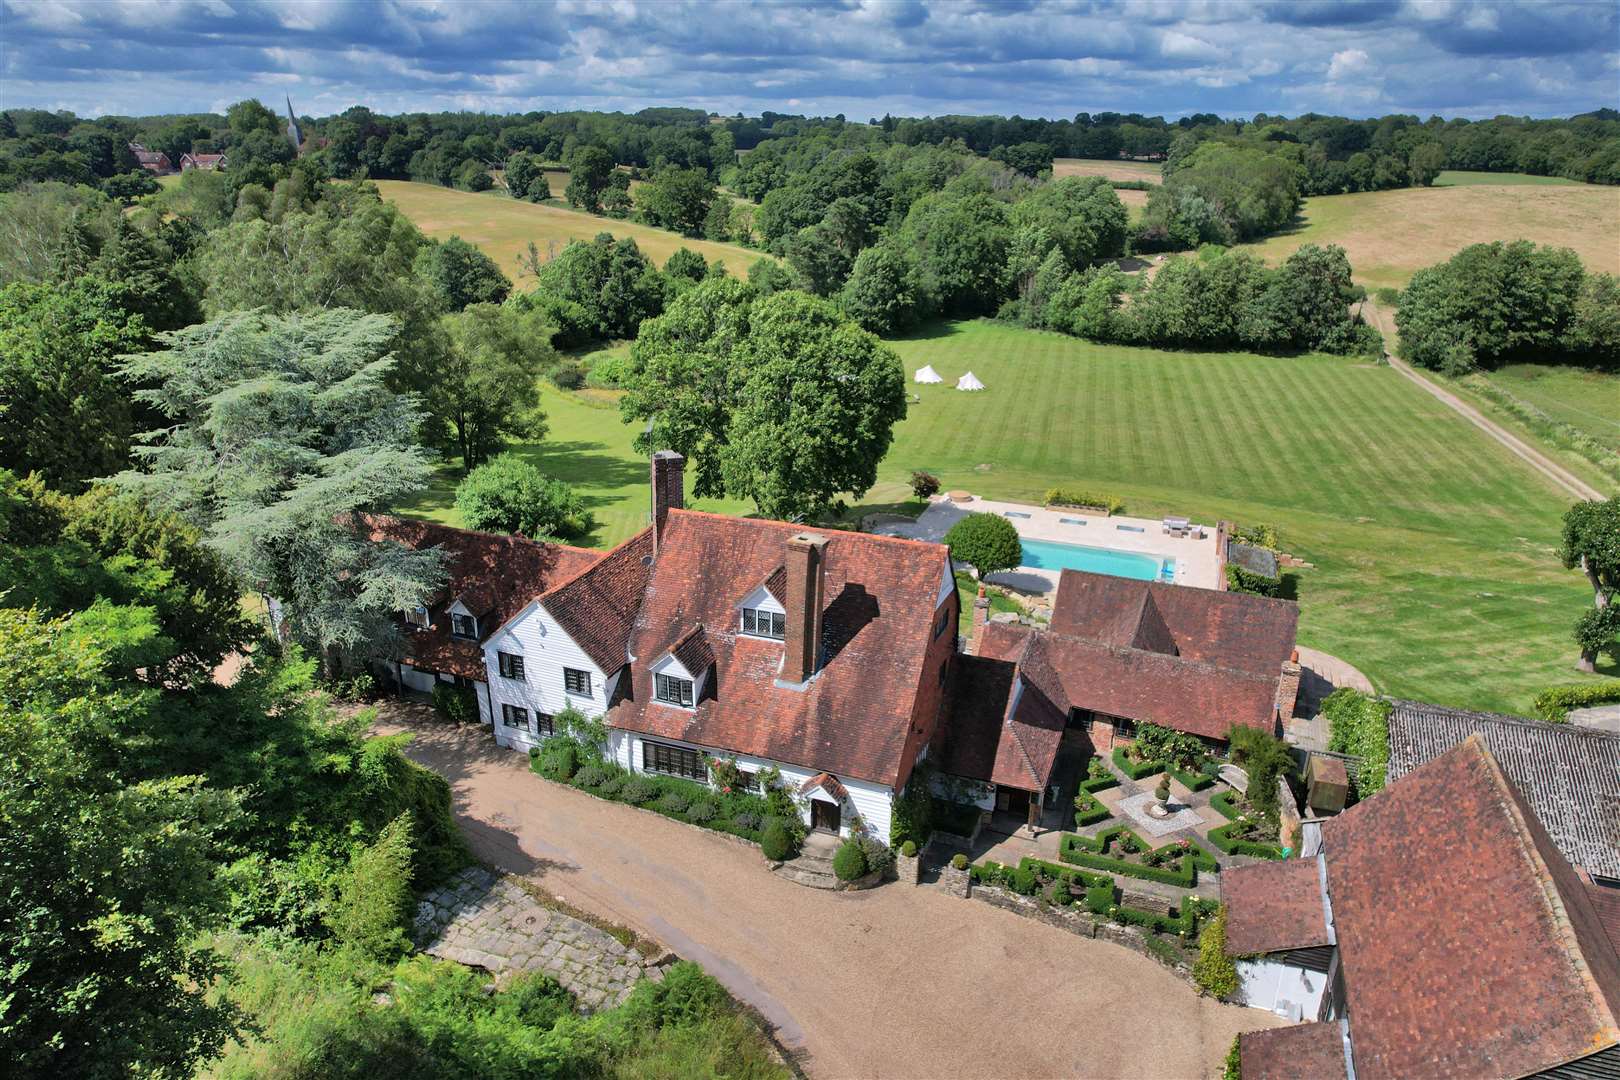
[558, 759]
[959, 861]
[986, 542]
[777, 840]
[638, 790]
[747, 820]
[1224, 839]
[1135, 770]
[1232, 1067]
[455, 703]
[1076, 497]
[1100, 897]
[610, 785]
[1241, 580]
[590, 776]
[1214, 971]
[673, 802]
[567, 375]
[701, 812]
[849, 861]
[1023, 881]
[511, 495]
[1092, 852]
[909, 849]
[924, 484]
[1358, 724]
[374, 901]
[1554, 703]
[879, 856]
[1088, 810]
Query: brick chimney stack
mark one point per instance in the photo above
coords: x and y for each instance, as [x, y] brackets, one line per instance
[805, 564]
[1288, 687]
[668, 490]
[981, 615]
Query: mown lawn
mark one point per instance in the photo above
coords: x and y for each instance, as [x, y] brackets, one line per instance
[504, 227]
[1390, 235]
[1466, 178]
[1581, 397]
[1433, 548]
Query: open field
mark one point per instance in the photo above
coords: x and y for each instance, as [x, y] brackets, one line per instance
[1113, 170]
[503, 227]
[1464, 178]
[1433, 548]
[1580, 397]
[1389, 235]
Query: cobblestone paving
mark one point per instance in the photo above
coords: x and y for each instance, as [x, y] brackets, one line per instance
[484, 920]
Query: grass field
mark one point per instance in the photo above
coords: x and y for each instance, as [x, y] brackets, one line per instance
[1389, 235]
[1464, 178]
[503, 227]
[1433, 548]
[1584, 399]
[1114, 170]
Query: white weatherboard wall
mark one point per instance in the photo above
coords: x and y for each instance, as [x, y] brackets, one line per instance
[1281, 988]
[546, 649]
[874, 803]
[420, 681]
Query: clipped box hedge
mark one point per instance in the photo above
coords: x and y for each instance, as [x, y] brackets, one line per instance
[1225, 804]
[1191, 781]
[1097, 897]
[1080, 498]
[1553, 704]
[1092, 852]
[1088, 810]
[1135, 772]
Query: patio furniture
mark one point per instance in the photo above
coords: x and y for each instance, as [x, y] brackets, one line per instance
[1175, 526]
[1235, 777]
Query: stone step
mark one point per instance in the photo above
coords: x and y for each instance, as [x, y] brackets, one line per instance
[812, 878]
[813, 860]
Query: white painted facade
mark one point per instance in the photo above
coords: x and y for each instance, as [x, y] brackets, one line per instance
[1284, 989]
[875, 804]
[961, 789]
[547, 650]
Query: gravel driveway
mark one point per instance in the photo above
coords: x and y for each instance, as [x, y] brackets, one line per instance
[897, 982]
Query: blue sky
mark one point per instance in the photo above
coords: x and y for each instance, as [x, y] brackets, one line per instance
[861, 57]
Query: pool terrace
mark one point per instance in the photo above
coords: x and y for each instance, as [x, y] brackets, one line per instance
[1196, 559]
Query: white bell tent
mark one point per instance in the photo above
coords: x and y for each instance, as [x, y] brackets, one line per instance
[969, 381]
[928, 375]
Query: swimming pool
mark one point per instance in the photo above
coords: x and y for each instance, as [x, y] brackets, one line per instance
[1047, 555]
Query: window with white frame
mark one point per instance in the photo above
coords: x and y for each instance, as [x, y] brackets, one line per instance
[417, 617]
[672, 690]
[511, 666]
[463, 626]
[762, 623]
[577, 682]
[512, 716]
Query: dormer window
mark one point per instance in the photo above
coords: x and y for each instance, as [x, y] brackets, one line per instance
[761, 623]
[417, 617]
[463, 626]
[673, 691]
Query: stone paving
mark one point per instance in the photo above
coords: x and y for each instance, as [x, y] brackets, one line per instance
[482, 919]
[1183, 817]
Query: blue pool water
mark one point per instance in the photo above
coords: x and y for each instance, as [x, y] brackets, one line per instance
[1046, 555]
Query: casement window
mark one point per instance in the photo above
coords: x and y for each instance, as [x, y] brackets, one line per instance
[673, 761]
[944, 620]
[512, 716]
[747, 780]
[673, 691]
[544, 724]
[762, 623]
[1124, 727]
[577, 682]
[417, 617]
[511, 666]
[463, 626]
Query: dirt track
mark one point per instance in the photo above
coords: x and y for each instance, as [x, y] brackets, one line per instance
[1546, 466]
[897, 982]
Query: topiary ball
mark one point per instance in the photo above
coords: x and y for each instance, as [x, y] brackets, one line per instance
[849, 861]
[909, 849]
[777, 840]
[959, 861]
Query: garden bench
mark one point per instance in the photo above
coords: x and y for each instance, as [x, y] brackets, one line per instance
[1235, 777]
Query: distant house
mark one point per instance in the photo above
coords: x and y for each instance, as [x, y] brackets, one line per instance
[1438, 933]
[205, 162]
[153, 161]
[1117, 653]
[1569, 775]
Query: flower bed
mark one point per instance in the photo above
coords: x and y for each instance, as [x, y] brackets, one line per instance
[1088, 808]
[1194, 781]
[1231, 838]
[1135, 769]
[1175, 864]
[736, 813]
[1064, 886]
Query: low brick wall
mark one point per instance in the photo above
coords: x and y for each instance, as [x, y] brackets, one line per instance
[1077, 921]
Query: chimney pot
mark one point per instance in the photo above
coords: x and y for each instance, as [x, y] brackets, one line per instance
[806, 565]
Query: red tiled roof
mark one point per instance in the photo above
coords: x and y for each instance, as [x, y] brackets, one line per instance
[854, 718]
[1606, 902]
[1302, 1052]
[826, 782]
[1227, 629]
[1274, 906]
[495, 576]
[1469, 946]
[1173, 691]
[598, 608]
[982, 741]
[692, 652]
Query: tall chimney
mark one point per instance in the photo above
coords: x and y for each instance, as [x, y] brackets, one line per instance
[668, 490]
[1288, 687]
[981, 615]
[805, 562]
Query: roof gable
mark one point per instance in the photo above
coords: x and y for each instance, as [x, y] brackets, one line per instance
[1483, 956]
[597, 608]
